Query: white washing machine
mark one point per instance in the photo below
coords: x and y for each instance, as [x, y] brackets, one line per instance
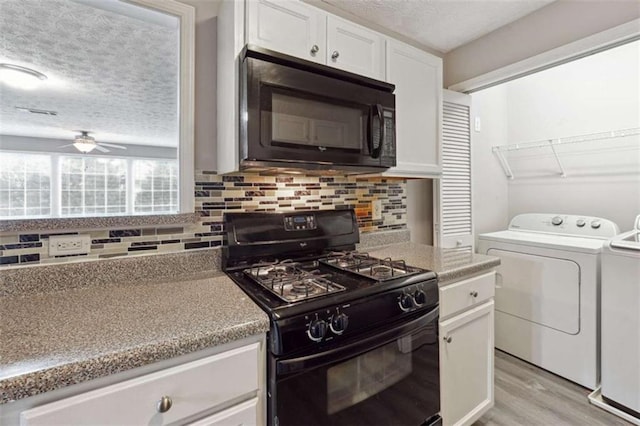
[621, 325]
[548, 291]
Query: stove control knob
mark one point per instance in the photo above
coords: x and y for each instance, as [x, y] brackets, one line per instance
[317, 330]
[339, 323]
[557, 220]
[595, 224]
[406, 302]
[420, 297]
[580, 223]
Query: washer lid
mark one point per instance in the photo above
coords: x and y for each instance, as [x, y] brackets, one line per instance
[628, 241]
[537, 239]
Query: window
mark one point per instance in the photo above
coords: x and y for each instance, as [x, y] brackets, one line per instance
[50, 185]
[156, 186]
[25, 185]
[93, 186]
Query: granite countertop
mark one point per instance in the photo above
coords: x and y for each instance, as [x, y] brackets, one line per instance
[52, 340]
[450, 265]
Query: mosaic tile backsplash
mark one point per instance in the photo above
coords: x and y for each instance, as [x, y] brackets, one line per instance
[215, 194]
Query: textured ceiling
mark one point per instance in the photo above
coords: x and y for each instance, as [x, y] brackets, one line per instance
[440, 24]
[112, 70]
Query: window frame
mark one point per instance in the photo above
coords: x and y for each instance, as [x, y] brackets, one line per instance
[55, 190]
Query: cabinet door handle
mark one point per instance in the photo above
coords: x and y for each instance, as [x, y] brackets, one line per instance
[164, 404]
[447, 339]
[474, 294]
[314, 49]
[335, 55]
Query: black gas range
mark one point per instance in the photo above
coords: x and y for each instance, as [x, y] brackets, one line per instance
[362, 330]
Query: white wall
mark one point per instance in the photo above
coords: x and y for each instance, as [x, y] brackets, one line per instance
[205, 83]
[596, 94]
[420, 210]
[553, 26]
[489, 184]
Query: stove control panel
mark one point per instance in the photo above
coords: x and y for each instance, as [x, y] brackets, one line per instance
[317, 329]
[411, 299]
[303, 222]
[339, 322]
[342, 322]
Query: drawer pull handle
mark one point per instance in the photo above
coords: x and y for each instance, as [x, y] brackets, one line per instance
[474, 293]
[335, 55]
[314, 49]
[447, 339]
[164, 404]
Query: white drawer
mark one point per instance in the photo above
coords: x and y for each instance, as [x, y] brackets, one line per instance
[466, 293]
[245, 414]
[192, 387]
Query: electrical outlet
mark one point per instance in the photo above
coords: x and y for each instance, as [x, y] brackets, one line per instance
[60, 245]
[376, 210]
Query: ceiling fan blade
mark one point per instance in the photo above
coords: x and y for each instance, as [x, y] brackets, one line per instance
[110, 145]
[64, 146]
[101, 149]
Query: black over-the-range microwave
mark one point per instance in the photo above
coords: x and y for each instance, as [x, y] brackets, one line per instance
[301, 115]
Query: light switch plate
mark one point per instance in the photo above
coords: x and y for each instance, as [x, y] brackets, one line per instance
[376, 210]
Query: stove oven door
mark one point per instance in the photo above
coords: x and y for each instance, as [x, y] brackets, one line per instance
[388, 378]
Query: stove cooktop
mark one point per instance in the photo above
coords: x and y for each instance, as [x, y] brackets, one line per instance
[293, 282]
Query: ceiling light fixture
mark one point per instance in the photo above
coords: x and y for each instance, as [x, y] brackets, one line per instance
[20, 77]
[84, 143]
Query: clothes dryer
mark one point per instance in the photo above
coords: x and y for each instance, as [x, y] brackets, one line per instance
[548, 291]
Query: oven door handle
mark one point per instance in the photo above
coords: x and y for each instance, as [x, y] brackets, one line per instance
[296, 365]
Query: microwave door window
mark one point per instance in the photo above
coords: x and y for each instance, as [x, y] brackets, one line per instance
[302, 123]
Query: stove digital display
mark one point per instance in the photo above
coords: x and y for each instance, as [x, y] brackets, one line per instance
[299, 223]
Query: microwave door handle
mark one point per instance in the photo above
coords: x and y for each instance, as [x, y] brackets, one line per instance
[375, 152]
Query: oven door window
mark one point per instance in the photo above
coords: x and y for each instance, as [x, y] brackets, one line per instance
[301, 121]
[396, 383]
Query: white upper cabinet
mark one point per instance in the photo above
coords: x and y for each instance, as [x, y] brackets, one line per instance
[417, 76]
[353, 48]
[303, 31]
[288, 26]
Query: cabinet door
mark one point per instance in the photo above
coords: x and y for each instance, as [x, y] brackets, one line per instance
[353, 48]
[192, 388]
[287, 26]
[245, 414]
[466, 365]
[454, 218]
[418, 79]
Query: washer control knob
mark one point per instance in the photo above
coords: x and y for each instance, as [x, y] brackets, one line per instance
[317, 330]
[595, 224]
[557, 220]
[580, 223]
[339, 323]
[406, 302]
[419, 297]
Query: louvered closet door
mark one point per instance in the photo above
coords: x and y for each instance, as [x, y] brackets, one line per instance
[455, 228]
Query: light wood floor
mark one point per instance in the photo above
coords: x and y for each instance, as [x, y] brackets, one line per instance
[529, 396]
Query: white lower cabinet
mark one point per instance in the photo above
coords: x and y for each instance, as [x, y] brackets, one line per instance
[244, 414]
[467, 351]
[221, 389]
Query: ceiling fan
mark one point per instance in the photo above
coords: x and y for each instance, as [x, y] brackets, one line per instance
[85, 143]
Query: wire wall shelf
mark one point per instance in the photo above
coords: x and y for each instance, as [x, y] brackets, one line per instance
[499, 150]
